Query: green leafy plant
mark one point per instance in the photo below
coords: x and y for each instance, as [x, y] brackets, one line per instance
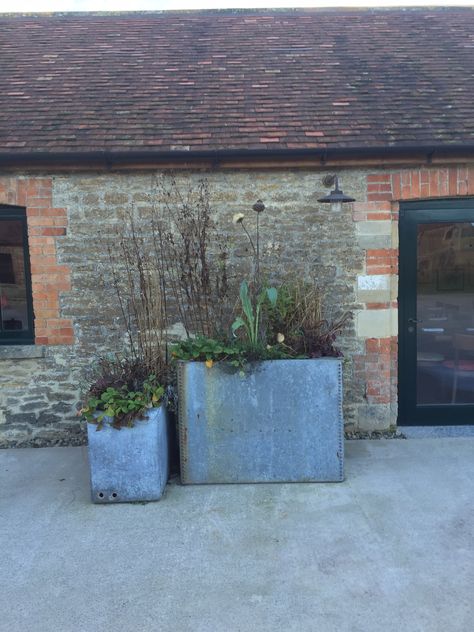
[209, 350]
[121, 394]
[237, 353]
[250, 319]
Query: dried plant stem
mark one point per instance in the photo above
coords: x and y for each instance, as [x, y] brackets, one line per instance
[257, 255]
[197, 280]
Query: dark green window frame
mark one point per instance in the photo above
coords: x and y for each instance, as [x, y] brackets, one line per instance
[26, 336]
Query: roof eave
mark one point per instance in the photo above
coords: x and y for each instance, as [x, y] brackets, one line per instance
[111, 159]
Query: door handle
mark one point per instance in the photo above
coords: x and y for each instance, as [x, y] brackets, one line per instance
[412, 322]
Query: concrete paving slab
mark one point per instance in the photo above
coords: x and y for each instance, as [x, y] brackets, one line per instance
[389, 549]
[423, 432]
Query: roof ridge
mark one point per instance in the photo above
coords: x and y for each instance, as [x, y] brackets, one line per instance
[241, 11]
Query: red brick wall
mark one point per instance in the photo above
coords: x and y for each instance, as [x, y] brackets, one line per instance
[46, 225]
[378, 367]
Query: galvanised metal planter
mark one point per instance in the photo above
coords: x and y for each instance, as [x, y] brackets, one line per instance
[130, 464]
[279, 422]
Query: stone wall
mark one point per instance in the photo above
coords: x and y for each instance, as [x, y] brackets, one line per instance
[352, 254]
[39, 390]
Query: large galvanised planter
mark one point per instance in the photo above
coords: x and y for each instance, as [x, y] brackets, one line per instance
[130, 464]
[279, 421]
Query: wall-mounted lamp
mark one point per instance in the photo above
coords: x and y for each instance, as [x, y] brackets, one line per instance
[336, 198]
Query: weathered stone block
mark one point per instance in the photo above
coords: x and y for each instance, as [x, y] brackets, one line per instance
[376, 323]
[375, 417]
[367, 242]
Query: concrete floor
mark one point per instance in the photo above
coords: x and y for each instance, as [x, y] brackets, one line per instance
[391, 549]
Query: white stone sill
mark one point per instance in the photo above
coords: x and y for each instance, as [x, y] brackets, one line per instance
[22, 352]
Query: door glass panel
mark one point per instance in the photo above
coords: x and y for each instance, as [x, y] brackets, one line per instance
[445, 313]
[13, 293]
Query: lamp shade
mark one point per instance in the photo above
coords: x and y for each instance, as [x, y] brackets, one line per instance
[336, 196]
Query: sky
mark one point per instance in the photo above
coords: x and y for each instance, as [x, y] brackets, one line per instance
[7, 6]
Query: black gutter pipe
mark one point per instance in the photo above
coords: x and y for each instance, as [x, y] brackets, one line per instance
[109, 159]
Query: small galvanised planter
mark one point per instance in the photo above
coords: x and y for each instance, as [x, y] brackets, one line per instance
[281, 421]
[130, 464]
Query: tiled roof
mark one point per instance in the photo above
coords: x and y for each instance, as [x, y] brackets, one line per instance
[236, 80]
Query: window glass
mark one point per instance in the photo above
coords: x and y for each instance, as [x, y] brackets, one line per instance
[15, 297]
[445, 313]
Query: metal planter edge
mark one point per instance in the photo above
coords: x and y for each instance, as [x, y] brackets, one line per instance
[130, 464]
[281, 422]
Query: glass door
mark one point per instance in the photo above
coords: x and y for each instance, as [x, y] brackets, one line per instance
[436, 307]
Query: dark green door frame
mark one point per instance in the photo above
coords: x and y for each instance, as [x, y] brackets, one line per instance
[411, 215]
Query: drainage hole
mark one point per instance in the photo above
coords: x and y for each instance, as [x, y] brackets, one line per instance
[101, 494]
[114, 495]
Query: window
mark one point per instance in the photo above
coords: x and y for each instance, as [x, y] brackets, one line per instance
[16, 305]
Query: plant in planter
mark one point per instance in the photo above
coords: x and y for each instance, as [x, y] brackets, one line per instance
[127, 426]
[125, 406]
[259, 385]
[264, 404]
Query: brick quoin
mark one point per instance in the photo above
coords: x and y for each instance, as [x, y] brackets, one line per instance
[384, 191]
[48, 277]
[382, 261]
[376, 367]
